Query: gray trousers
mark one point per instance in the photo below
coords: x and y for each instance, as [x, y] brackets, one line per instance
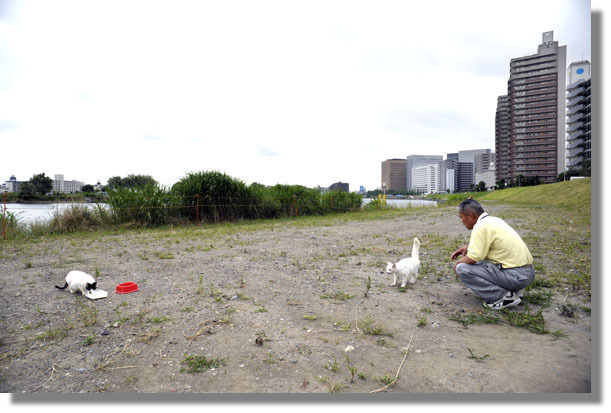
[491, 281]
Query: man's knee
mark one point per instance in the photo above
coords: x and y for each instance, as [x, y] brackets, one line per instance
[463, 270]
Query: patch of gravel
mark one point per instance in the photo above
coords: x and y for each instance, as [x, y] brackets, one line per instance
[255, 300]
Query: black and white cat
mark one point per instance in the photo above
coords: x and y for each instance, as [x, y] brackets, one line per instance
[79, 281]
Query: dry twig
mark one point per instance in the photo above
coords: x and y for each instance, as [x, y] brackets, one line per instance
[127, 367]
[201, 330]
[52, 371]
[398, 370]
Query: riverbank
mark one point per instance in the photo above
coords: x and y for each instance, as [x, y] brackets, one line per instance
[294, 306]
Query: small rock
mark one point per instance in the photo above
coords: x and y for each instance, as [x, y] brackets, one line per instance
[105, 333]
[451, 355]
[348, 349]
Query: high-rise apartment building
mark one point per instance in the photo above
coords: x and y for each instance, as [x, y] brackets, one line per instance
[578, 131]
[536, 97]
[502, 138]
[394, 175]
[414, 161]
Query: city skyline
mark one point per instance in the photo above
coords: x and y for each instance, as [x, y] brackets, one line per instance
[270, 93]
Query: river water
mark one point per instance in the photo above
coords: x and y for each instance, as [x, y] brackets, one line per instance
[28, 213]
[405, 203]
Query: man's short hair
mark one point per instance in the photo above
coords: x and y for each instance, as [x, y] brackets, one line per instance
[470, 206]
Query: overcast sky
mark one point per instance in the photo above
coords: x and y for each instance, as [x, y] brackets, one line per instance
[292, 92]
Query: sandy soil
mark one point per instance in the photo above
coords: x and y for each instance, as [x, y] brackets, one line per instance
[277, 307]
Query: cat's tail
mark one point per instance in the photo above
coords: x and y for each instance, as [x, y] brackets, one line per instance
[62, 288]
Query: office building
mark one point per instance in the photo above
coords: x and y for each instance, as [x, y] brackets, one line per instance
[449, 175]
[414, 161]
[394, 175]
[13, 185]
[578, 130]
[340, 186]
[465, 179]
[469, 156]
[466, 158]
[536, 97]
[483, 162]
[426, 179]
[62, 186]
[452, 156]
[488, 177]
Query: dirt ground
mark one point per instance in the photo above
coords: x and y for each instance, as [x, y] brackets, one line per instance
[278, 308]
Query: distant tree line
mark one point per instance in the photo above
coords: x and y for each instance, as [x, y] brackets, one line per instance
[130, 182]
[212, 196]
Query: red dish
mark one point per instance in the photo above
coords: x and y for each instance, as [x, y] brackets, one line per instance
[126, 288]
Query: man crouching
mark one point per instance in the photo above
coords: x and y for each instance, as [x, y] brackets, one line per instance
[496, 264]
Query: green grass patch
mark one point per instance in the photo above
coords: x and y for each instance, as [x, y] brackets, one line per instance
[370, 327]
[532, 322]
[195, 363]
[475, 318]
[339, 295]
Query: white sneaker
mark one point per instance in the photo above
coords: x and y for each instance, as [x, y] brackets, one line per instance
[512, 295]
[503, 303]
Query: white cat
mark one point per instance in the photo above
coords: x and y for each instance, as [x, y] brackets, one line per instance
[408, 267]
[79, 281]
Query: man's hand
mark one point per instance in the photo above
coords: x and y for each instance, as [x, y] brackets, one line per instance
[464, 260]
[459, 252]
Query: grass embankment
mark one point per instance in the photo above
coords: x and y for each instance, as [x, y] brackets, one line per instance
[571, 195]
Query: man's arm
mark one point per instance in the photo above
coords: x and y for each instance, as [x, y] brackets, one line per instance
[461, 251]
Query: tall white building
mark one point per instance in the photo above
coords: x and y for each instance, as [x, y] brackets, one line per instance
[58, 184]
[427, 179]
[450, 187]
[62, 186]
[414, 161]
[13, 185]
[486, 176]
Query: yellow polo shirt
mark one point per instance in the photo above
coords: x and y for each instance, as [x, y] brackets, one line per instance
[492, 239]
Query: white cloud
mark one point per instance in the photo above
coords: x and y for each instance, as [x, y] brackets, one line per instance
[269, 91]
